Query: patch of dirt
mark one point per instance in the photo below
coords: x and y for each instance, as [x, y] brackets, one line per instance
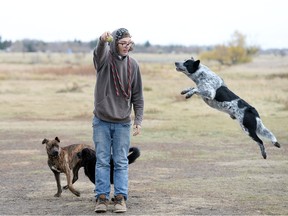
[168, 179]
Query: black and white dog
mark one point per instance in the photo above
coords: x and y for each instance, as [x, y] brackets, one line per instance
[88, 161]
[215, 93]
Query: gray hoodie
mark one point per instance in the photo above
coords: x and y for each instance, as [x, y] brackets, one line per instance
[108, 106]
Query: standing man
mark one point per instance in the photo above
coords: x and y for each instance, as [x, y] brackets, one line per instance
[118, 89]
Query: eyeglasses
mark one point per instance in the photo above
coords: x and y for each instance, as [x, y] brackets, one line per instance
[126, 45]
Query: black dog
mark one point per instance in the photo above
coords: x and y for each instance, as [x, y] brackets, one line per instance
[216, 94]
[88, 157]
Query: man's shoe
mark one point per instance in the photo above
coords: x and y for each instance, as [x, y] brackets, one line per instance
[119, 204]
[101, 204]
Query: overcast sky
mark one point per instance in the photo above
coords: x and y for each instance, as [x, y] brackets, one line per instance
[165, 22]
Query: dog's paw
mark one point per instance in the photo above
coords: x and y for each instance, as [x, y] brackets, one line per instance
[183, 92]
[57, 195]
[186, 90]
[77, 193]
[263, 152]
[277, 144]
[264, 155]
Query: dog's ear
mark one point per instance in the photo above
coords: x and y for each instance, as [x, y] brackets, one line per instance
[79, 155]
[45, 141]
[196, 65]
[57, 139]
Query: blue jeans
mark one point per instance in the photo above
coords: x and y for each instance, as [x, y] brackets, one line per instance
[111, 138]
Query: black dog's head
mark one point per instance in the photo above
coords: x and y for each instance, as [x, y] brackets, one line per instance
[188, 67]
[88, 160]
[87, 156]
[52, 147]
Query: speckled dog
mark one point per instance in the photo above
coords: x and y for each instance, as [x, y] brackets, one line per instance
[215, 93]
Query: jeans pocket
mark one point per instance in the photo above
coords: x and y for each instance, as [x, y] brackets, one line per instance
[126, 125]
[96, 121]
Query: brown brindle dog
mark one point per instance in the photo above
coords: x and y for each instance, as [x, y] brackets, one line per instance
[64, 160]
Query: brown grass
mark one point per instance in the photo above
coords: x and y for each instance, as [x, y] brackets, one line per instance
[194, 160]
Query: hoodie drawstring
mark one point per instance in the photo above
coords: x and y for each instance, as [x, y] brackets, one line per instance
[116, 78]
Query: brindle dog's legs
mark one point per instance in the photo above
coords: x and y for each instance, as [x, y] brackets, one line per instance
[57, 178]
[75, 175]
[69, 182]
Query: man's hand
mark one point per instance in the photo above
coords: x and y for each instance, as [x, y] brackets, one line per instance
[136, 130]
[106, 36]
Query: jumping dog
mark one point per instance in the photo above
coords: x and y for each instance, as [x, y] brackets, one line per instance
[216, 94]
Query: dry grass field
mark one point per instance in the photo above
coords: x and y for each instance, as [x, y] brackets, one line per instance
[194, 160]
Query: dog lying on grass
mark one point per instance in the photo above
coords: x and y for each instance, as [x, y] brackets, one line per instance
[88, 161]
[215, 93]
[64, 160]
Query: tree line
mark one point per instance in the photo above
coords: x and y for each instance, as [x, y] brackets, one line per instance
[233, 52]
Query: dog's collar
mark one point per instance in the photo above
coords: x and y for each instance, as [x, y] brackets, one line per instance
[55, 169]
[51, 156]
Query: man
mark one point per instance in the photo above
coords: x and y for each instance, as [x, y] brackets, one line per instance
[118, 89]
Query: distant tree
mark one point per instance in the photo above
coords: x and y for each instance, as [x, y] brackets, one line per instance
[147, 44]
[29, 46]
[282, 53]
[253, 50]
[93, 43]
[77, 41]
[234, 53]
[4, 44]
[237, 39]
[220, 54]
[238, 49]
[33, 45]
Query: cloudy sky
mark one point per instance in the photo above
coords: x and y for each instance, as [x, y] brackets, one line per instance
[186, 22]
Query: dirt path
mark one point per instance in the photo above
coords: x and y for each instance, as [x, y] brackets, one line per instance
[168, 178]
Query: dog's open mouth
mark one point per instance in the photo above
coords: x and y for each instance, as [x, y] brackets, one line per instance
[179, 67]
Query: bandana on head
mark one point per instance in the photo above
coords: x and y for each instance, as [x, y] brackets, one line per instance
[120, 33]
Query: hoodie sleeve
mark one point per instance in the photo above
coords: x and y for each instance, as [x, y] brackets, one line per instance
[137, 98]
[100, 54]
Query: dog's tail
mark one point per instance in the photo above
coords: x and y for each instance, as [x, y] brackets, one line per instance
[134, 155]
